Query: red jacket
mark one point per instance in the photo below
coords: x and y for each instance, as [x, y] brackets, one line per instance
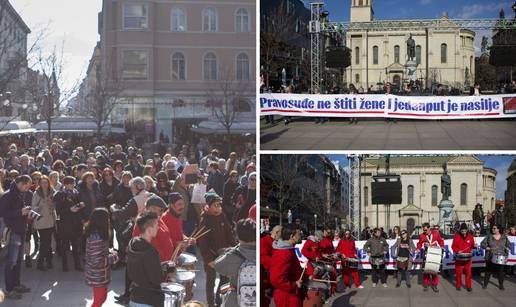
[326, 246]
[162, 242]
[266, 252]
[347, 248]
[175, 226]
[436, 237]
[285, 271]
[311, 251]
[462, 245]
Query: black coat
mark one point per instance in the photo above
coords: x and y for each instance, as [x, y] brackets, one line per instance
[108, 190]
[91, 201]
[144, 270]
[220, 236]
[122, 195]
[70, 223]
[11, 204]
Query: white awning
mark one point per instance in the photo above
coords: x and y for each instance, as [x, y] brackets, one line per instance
[215, 127]
[76, 125]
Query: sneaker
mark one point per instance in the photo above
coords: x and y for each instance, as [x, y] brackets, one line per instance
[397, 285]
[13, 295]
[425, 288]
[123, 300]
[360, 287]
[384, 285]
[501, 287]
[435, 289]
[22, 289]
[469, 289]
[457, 288]
[374, 285]
[408, 286]
[484, 287]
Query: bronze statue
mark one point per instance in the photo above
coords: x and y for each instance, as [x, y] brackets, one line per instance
[445, 184]
[411, 48]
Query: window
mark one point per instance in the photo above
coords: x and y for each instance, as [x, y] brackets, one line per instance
[418, 54]
[135, 64]
[434, 195]
[178, 66]
[357, 78]
[242, 105]
[444, 50]
[178, 20]
[135, 16]
[242, 21]
[366, 196]
[375, 55]
[210, 66]
[209, 20]
[357, 55]
[242, 67]
[410, 194]
[463, 194]
[396, 54]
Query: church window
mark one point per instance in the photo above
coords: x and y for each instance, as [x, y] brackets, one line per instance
[396, 54]
[410, 193]
[444, 50]
[434, 195]
[375, 54]
[463, 194]
[357, 55]
[418, 54]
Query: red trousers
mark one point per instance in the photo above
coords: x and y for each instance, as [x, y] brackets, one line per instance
[284, 299]
[345, 276]
[99, 296]
[427, 277]
[459, 267]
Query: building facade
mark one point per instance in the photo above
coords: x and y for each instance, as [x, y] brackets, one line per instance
[471, 183]
[443, 55]
[174, 57]
[510, 193]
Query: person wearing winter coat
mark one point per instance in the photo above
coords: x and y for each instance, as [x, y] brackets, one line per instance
[346, 248]
[215, 179]
[90, 194]
[108, 186]
[463, 242]
[43, 203]
[495, 243]
[98, 260]
[312, 252]
[429, 237]
[143, 264]
[286, 272]
[232, 261]
[265, 263]
[404, 248]
[376, 248]
[230, 187]
[219, 237]
[244, 198]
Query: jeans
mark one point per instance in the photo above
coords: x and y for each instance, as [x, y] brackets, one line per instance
[493, 268]
[133, 304]
[379, 272]
[45, 249]
[403, 273]
[13, 261]
[211, 275]
[65, 247]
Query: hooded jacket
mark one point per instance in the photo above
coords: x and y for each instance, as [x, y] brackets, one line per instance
[144, 270]
[220, 236]
[229, 263]
[285, 271]
[11, 204]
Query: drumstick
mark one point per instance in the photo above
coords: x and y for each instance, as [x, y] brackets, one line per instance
[322, 280]
[202, 234]
[196, 231]
[302, 273]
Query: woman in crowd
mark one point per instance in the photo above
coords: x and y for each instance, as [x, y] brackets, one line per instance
[43, 203]
[404, 249]
[164, 186]
[98, 257]
[108, 185]
[150, 185]
[230, 186]
[244, 197]
[89, 193]
[495, 243]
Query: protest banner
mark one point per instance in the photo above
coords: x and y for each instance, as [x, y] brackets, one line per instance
[448, 261]
[390, 106]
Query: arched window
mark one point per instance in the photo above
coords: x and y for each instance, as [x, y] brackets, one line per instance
[357, 55]
[396, 54]
[444, 50]
[242, 67]
[366, 196]
[178, 20]
[463, 194]
[357, 78]
[492, 203]
[434, 195]
[242, 21]
[471, 65]
[178, 66]
[375, 55]
[418, 54]
[210, 66]
[209, 20]
[410, 194]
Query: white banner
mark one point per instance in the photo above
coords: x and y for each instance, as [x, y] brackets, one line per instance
[422, 107]
[448, 261]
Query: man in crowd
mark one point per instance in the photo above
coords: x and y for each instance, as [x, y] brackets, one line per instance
[266, 250]
[376, 248]
[429, 237]
[463, 242]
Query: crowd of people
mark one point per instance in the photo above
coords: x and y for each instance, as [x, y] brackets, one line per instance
[78, 200]
[287, 283]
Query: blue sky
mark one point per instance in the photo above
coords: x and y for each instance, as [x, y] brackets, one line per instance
[498, 162]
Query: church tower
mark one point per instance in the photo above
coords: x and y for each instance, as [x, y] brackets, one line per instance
[361, 11]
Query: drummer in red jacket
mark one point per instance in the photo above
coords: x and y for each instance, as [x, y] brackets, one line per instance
[463, 242]
[265, 262]
[346, 247]
[429, 237]
[312, 252]
[286, 273]
[327, 251]
[172, 218]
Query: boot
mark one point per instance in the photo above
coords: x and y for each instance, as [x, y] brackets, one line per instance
[486, 280]
[40, 265]
[50, 266]
[28, 261]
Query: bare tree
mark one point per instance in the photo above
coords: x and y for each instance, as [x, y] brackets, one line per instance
[227, 100]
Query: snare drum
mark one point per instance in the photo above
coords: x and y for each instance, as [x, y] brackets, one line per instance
[433, 260]
[174, 294]
[187, 279]
[352, 263]
[499, 259]
[402, 263]
[187, 261]
[377, 261]
[463, 256]
[315, 294]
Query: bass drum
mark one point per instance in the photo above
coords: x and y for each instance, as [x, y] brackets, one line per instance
[315, 294]
[433, 260]
[174, 294]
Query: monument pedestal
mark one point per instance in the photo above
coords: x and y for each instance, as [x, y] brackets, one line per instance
[445, 215]
[411, 68]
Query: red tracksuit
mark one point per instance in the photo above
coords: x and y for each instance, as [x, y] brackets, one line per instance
[285, 271]
[436, 239]
[463, 245]
[311, 251]
[348, 249]
[326, 247]
[265, 262]
[175, 226]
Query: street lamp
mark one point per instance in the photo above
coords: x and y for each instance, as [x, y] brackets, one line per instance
[315, 218]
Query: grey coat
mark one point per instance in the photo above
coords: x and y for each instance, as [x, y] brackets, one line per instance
[376, 247]
[490, 242]
[47, 209]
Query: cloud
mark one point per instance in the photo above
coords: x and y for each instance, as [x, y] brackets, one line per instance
[425, 2]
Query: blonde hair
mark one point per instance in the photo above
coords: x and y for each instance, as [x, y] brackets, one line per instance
[194, 304]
